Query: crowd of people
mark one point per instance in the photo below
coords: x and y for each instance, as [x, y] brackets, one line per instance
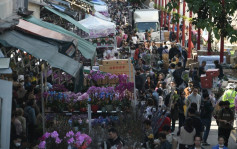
[167, 95]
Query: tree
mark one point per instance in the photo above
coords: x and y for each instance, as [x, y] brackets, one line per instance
[212, 15]
[136, 1]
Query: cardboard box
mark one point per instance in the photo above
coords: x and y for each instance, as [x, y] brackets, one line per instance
[206, 82]
[212, 73]
[116, 68]
[115, 62]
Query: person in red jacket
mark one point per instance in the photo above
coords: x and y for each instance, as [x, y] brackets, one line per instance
[163, 120]
[137, 52]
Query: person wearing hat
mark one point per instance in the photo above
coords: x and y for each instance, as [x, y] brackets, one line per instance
[229, 95]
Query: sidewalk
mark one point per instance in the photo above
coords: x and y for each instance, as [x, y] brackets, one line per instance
[213, 136]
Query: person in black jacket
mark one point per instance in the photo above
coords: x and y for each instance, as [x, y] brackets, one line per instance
[149, 83]
[181, 103]
[139, 80]
[160, 50]
[197, 123]
[218, 66]
[206, 116]
[178, 74]
[114, 139]
[173, 51]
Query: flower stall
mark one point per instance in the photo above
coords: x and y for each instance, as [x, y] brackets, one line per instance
[100, 78]
[102, 32]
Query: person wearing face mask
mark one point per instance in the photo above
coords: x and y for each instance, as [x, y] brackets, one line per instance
[194, 97]
[16, 142]
[225, 119]
[220, 145]
[188, 90]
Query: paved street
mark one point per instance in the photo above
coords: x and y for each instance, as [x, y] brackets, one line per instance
[213, 135]
[212, 138]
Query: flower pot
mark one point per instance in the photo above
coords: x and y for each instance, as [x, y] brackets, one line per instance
[83, 109]
[109, 108]
[103, 109]
[94, 108]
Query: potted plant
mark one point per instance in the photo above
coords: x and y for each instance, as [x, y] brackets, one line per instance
[103, 42]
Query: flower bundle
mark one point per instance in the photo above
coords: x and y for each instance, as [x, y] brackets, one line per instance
[59, 88]
[77, 139]
[62, 76]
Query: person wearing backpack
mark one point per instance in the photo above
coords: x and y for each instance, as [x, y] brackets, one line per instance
[225, 119]
[206, 116]
[30, 116]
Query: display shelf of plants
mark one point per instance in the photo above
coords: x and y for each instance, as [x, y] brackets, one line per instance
[104, 41]
[106, 99]
[99, 78]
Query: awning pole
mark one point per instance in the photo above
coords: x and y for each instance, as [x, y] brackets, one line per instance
[42, 97]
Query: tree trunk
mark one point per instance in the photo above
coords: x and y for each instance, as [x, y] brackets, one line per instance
[222, 37]
[198, 40]
[177, 34]
[183, 32]
[161, 21]
[209, 43]
[189, 37]
[165, 16]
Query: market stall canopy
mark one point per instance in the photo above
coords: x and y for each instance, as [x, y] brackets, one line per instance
[68, 18]
[102, 9]
[98, 27]
[99, 15]
[98, 2]
[4, 70]
[40, 50]
[38, 30]
[87, 49]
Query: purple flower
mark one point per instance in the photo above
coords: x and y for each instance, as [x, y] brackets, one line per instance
[79, 140]
[47, 135]
[42, 145]
[58, 140]
[70, 134]
[70, 141]
[54, 134]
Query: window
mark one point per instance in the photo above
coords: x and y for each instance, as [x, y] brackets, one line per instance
[143, 26]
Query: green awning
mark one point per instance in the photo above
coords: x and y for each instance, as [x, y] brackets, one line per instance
[41, 50]
[87, 49]
[68, 18]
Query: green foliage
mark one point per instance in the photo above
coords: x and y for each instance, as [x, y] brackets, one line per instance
[136, 1]
[211, 15]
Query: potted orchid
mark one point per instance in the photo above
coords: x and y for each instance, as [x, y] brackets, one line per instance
[74, 140]
[77, 140]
